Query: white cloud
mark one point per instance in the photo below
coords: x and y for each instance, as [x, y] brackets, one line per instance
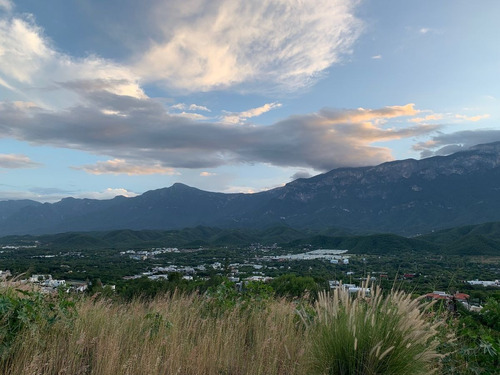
[207, 45]
[33, 70]
[179, 106]
[377, 57]
[239, 189]
[192, 115]
[424, 30]
[17, 161]
[109, 193]
[194, 107]
[120, 166]
[240, 117]
[191, 107]
[6, 5]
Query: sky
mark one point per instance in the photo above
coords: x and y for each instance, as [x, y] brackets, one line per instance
[118, 97]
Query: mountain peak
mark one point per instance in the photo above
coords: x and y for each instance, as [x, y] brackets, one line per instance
[179, 185]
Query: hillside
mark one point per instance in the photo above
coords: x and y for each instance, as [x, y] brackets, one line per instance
[482, 239]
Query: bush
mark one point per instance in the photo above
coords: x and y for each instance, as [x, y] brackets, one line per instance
[22, 310]
[376, 335]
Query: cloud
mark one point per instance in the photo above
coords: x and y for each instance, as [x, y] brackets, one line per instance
[195, 45]
[207, 174]
[361, 114]
[424, 30]
[6, 5]
[240, 117]
[52, 195]
[449, 117]
[433, 117]
[203, 45]
[191, 107]
[33, 70]
[120, 166]
[194, 107]
[17, 161]
[179, 106]
[377, 57]
[143, 131]
[6, 195]
[445, 144]
[192, 116]
[239, 189]
[109, 193]
[472, 118]
[300, 174]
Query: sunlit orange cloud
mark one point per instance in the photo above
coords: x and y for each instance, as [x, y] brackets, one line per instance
[207, 174]
[472, 118]
[120, 166]
[433, 117]
[363, 115]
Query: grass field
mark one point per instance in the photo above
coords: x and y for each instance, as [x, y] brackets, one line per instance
[197, 334]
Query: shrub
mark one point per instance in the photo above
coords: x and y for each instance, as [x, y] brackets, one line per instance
[376, 335]
[23, 310]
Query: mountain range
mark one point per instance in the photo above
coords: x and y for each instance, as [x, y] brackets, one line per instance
[405, 197]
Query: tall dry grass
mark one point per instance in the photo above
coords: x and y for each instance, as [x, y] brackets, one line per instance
[181, 334]
[171, 335]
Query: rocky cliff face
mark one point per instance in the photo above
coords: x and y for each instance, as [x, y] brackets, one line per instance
[404, 197]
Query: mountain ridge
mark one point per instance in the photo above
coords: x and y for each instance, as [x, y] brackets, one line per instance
[405, 197]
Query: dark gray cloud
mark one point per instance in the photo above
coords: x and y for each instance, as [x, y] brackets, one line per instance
[446, 144]
[300, 174]
[129, 128]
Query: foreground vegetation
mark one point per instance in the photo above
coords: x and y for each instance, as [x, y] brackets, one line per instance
[217, 333]
[197, 322]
